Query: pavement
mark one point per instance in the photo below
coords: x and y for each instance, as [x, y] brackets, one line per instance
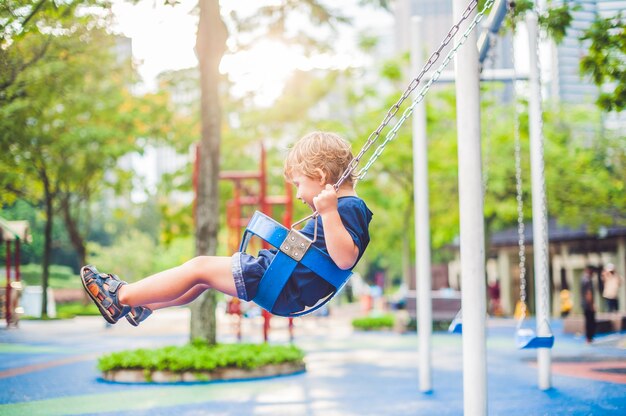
[49, 368]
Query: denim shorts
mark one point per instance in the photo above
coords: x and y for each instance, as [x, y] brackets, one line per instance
[303, 289]
[248, 271]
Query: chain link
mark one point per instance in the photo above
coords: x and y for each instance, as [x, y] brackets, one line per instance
[520, 204]
[434, 57]
[521, 243]
[420, 96]
[373, 137]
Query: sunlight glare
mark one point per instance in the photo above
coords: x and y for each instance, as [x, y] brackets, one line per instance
[262, 70]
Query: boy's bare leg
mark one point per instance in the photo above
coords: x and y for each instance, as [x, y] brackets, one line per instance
[171, 284]
[188, 297]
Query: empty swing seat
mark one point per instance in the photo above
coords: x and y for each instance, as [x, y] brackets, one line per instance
[456, 326]
[526, 338]
[293, 248]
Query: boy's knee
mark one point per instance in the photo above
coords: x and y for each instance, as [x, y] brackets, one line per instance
[198, 264]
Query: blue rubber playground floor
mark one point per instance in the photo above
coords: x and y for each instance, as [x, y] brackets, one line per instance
[49, 368]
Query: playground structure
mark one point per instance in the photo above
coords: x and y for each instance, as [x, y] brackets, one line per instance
[468, 62]
[12, 233]
[250, 194]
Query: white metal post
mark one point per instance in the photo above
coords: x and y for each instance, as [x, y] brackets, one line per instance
[473, 295]
[540, 212]
[422, 219]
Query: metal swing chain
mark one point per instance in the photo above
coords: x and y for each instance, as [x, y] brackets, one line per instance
[373, 137]
[522, 247]
[518, 181]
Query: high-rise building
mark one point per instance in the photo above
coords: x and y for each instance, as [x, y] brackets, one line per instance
[569, 85]
[561, 68]
[437, 21]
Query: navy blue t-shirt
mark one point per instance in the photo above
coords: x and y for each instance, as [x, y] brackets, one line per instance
[304, 288]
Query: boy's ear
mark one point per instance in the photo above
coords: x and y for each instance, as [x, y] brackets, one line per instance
[322, 175]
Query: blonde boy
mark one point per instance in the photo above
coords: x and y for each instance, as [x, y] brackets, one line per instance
[313, 165]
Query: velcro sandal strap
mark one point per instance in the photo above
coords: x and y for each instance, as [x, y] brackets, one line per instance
[114, 285]
[107, 302]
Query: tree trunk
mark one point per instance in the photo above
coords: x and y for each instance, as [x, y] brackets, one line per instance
[47, 251]
[210, 47]
[77, 240]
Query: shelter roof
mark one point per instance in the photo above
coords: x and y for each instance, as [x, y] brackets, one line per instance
[12, 230]
[556, 233]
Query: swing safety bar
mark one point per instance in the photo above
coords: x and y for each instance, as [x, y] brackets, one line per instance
[293, 248]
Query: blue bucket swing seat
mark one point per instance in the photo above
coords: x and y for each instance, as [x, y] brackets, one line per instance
[527, 338]
[293, 248]
[456, 326]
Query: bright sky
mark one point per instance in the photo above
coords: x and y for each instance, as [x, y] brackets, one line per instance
[164, 38]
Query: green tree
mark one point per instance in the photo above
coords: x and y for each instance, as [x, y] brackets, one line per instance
[210, 46]
[605, 61]
[68, 117]
[33, 107]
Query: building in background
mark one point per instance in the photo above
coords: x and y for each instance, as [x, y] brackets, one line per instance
[567, 84]
[437, 20]
[560, 65]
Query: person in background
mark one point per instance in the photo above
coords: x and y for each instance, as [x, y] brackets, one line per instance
[612, 281]
[586, 298]
[494, 298]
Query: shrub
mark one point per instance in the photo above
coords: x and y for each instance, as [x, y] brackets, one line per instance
[71, 309]
[198, 356]
[61, 277]
[373, 322]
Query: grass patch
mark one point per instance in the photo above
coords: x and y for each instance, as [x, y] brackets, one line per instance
[71, 309]
[61, 277]
[372, 323]
[198, 356]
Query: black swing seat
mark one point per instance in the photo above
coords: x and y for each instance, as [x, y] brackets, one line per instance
[293, 248]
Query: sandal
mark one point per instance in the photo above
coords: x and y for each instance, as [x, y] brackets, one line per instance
[105, 298]
[138, 314]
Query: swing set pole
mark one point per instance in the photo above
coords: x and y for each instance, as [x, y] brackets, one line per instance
[540, 231]
[422, 220]
[472, 238]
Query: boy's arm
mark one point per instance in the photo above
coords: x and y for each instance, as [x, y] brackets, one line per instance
[339, 242]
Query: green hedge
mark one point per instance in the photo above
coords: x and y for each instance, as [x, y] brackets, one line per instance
[373, 322]
[72, 309]
[198, 356]
[61, 277]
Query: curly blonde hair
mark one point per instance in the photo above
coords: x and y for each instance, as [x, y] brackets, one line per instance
[325, 151]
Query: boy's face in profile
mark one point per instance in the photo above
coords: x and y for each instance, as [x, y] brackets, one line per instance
[307, 188]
